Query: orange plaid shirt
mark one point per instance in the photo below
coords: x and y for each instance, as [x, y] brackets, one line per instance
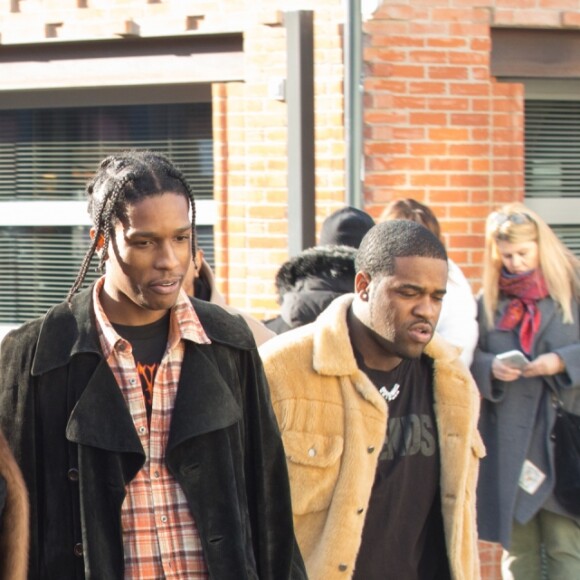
[160, 538]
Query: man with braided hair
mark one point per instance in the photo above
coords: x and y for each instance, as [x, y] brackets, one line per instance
[141, 419]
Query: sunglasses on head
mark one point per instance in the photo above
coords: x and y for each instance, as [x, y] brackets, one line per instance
[498, 218]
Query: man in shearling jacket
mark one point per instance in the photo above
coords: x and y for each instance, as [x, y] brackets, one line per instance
[379, 422]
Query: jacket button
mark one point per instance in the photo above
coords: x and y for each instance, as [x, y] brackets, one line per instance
[73, 474]
[343, 567]
[78, 550]
[371, 448]
[360, 511]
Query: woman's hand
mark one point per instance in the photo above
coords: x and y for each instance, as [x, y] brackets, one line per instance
[545, 365]
[504, 372]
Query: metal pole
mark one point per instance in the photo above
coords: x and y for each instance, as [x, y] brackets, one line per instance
[353, 124]
[300, 102]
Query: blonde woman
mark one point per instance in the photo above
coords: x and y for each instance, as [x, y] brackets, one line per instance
[529, 303]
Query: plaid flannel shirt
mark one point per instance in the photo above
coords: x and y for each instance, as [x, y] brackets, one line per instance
[160, 538]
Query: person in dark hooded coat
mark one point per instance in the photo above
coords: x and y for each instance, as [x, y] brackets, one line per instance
[309, 282]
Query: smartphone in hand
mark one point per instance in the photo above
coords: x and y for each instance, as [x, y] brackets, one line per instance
[513, 358]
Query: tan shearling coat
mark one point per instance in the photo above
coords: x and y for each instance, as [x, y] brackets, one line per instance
[333, 423]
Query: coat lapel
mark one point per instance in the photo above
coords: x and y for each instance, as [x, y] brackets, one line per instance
[204, 402]
[100, 406]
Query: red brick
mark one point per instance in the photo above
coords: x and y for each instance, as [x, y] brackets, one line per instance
[483, 44]
[479, 134]
[380, 84]
[448, 104]
[410, 133]
[428, 149]
[428, 118]
[469, 119]
[444, 196]
[454, 227]
[430, 29]
[397, 41]
[473, 89]
[409, 102]
[427, 88]
[518, 4]
[398, 164]
[480, 165]
[467, 241]
[448, 134]
[469, 180]
[383, 117]
[378, 133]
[428, 56]
[469, 211]
[389, 179]
[448, 164]
[429, 180]
[468, 29]
[380, 69]
[452, 14]
[469, 57]
[571, 19]
[372, 54]
[480, 73]
[379, 101]
[408, 71]
[447, 42]
[448, 72]
[558, 4]
[372, 149]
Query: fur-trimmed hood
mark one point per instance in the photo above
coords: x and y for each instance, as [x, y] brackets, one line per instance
[310, 281]
[326, 267]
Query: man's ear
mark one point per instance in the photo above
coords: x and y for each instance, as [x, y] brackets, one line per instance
[198, 259]
[100, 241]
[361, 285]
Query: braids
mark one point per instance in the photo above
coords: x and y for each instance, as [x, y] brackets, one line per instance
[176, 174]
[122, 180]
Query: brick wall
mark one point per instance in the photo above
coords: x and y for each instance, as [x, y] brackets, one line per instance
[439, 128]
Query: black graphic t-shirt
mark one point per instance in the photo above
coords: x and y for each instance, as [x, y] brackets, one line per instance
[403, 532]
[148, 343]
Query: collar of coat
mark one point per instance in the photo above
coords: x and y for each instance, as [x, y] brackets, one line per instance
[69, 329]
[333, 355]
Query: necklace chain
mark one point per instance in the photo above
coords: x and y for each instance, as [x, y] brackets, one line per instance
[392, 393]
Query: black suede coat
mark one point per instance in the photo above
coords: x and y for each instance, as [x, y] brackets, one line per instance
[72, 434]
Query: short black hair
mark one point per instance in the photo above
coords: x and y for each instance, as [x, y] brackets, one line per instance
[124, 179]
[396, 239]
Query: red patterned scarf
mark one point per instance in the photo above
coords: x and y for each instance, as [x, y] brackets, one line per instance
[524, 290]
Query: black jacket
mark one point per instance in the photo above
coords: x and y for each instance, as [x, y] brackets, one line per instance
[309, 282]
[73, 436]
